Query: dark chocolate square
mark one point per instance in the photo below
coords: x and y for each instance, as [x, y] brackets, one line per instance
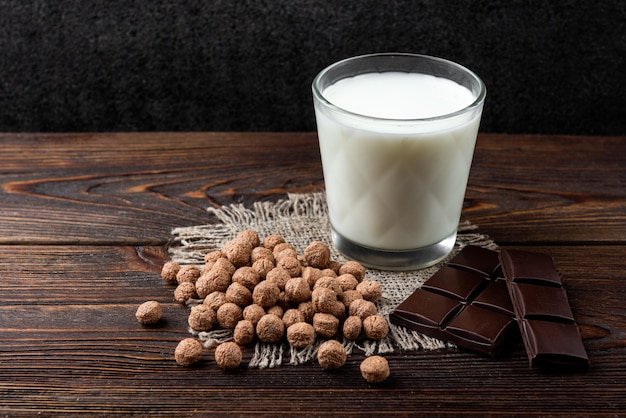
[481, 325]
[428, 309]
[477, 259]
[523, 266]
[463, 303]
[554, 344]
[541, 302]
[496, 297]
[456, 283]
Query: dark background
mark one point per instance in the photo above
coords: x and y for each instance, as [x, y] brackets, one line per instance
[243, 65]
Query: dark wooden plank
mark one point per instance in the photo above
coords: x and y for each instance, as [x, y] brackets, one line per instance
[436, 384]
[550, 189]
[70, 343]
[76, 188]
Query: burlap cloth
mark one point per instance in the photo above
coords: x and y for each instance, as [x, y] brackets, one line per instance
[300, 219]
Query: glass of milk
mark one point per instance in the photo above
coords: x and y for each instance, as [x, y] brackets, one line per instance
[396, 134]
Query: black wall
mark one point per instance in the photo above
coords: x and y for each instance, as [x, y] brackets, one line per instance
[244, 65]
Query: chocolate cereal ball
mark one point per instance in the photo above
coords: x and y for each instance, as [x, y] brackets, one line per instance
[330, 283]
[375, 369]
[204, 286]
[328, 273]
[300, 335]
[331, 355]
[323, 299]
[287, 252]
[184, 292]
[282, 246]
[263, 266]
[352, 327]
[276, 310]
[265, 294]
[271, 241]
[370, 290]
[283, 301]
[279, 276]
[149, 313]
[347, 282]
[188, 352]
[349, 296]
[187, 274]
[250, 236]
[237, 252]
[362, 308]
[334, 265]
[246, 276]
[311, 274]
[206, 267]
[270, 328]
[218, 278]
[213, 256]
[238, 294]
[228, 355]
[317, 254]
[338, 310]
[201, 318]
[262, 253]
[354, 268]
[291, 264]
[297, 290]
[224, 264]
[244, 332]
[292, 316]
[214, 300]
[169, 271]
[307, 311]
[325, 325]
[229, 314]
[253, 313]
[375, 327]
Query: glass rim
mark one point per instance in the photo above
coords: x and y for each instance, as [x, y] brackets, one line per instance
[480, 98]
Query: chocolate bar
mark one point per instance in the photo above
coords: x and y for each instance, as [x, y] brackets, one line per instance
[465, 302]
[550, 334]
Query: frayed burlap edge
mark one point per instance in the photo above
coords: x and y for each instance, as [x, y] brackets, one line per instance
[300, 219]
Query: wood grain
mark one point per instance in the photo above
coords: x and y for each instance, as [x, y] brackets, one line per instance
[555, 189]
[68, 331]
[84, 223]
[74, 188]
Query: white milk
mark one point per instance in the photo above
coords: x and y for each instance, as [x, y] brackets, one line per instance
[396, 185]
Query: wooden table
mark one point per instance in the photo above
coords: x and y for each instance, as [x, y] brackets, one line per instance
[84, 223]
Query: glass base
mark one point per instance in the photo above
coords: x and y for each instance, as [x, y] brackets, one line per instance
[394, 260]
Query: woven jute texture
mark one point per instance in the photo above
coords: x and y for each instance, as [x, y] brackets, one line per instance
[300, 219]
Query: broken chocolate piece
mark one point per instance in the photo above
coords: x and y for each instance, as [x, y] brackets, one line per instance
[550, 334]
[465, 302]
